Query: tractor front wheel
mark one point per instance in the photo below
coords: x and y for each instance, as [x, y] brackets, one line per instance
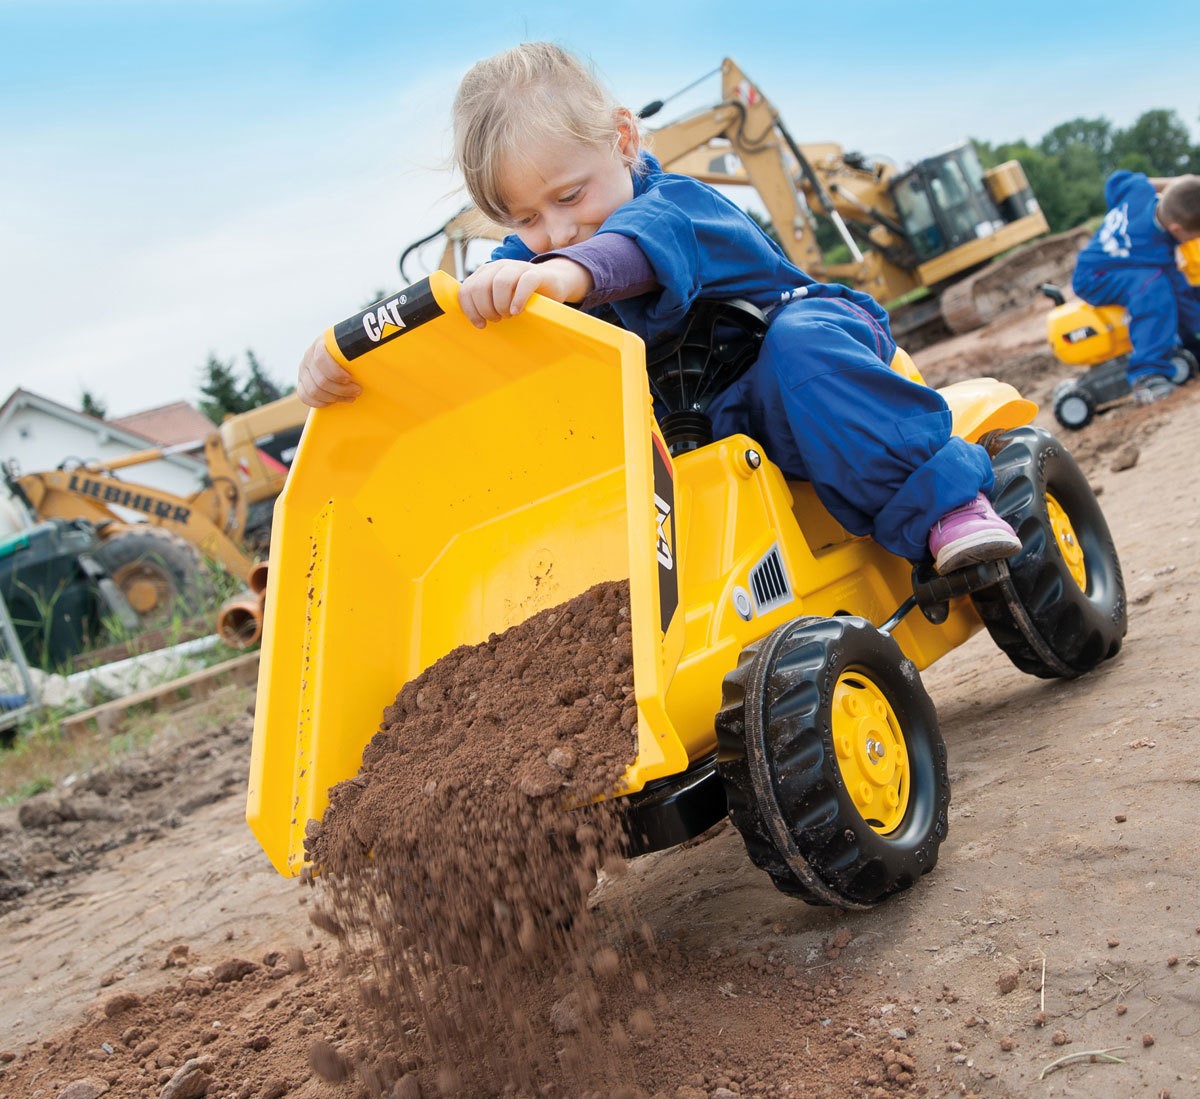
[833, 765]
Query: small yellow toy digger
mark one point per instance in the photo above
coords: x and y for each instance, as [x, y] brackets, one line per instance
[1095, 338]
[482, 477]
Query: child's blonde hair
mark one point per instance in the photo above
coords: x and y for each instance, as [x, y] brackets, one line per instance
[1180, 204]
[532, 93]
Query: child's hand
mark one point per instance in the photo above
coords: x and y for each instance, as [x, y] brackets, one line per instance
[323, 380]
[503, 287]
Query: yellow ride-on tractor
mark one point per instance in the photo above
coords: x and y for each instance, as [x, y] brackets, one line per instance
[1095, 338]
[485, 476]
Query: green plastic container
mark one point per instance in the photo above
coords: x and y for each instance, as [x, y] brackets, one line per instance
[51, 598]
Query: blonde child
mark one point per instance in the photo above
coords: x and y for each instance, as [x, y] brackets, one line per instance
[597, 222]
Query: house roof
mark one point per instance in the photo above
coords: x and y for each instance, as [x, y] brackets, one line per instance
[23, 398]
[168, 424]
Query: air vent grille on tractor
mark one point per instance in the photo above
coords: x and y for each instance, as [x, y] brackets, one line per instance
[769, 582]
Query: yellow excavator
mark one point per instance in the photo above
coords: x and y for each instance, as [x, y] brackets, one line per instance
[926, 241]
[154, 543]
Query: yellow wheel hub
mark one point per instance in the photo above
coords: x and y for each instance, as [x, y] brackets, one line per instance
[871, 752]
[1068, 543]
[145, 587]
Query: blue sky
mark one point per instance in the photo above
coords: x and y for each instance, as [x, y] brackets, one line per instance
[186, 178]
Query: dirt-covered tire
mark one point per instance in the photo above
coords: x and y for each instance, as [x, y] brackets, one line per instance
[161, 576]
[833, 765]
[1064, 611]
[1074, 406]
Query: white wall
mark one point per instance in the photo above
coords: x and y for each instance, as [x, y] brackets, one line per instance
[40, 441]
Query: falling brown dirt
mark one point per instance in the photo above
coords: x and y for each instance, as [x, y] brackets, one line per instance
[455, 872]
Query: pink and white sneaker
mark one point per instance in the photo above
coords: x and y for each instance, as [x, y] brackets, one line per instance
[970, 535]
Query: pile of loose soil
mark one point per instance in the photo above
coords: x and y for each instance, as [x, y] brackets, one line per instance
[723, 1023]
[456, 870]
[51, 838]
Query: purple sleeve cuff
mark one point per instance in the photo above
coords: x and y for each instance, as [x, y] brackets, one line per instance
[619, 268]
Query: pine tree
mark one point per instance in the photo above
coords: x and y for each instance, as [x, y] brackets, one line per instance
[221, 393]
[91, 405]
[258, 389]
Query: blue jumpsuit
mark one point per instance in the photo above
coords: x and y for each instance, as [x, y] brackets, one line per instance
[821, 397]
[1130, 261]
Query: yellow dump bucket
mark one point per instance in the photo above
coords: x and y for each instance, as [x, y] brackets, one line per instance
[482, 476]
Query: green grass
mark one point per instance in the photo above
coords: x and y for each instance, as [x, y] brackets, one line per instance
[41, 755]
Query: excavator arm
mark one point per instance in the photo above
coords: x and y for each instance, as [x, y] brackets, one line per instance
[743, 141]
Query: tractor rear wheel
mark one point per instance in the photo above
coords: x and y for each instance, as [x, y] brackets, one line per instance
[161, 576]
[1062, 611]
[833, 765]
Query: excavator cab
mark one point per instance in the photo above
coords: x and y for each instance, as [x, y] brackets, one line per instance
[948, 200]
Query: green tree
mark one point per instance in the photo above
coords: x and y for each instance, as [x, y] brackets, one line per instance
[1158, 143]
[91, 405]
[258, 389]
[219, 387]
[224, 395]
[1082, 194]
[1094, 134]
[1137, 162]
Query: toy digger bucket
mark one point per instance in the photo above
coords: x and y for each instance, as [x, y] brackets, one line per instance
[481, 477]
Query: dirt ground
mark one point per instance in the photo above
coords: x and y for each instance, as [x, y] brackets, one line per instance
[147, 948]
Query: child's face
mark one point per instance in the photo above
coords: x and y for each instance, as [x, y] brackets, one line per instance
[560, 192]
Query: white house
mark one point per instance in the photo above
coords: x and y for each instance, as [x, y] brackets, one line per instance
[40, 434]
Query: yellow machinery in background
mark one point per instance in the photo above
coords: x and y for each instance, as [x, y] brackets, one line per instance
[483, 476]
[151, 540]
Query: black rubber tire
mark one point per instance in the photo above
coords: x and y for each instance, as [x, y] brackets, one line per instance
[785, 789]
[1061, 630]
[1183, 366]
[1074, 408]
[162, 575]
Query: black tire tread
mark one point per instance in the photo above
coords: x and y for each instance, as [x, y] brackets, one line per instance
[1080, 629]
[177, 559]
[794, 813]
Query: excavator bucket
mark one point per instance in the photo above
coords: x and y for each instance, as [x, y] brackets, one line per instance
[481, 477]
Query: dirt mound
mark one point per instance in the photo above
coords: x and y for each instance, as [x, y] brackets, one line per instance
[457, 883]
[55, 836]
[721, 1022]
[474, 957]
[1012, 281]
